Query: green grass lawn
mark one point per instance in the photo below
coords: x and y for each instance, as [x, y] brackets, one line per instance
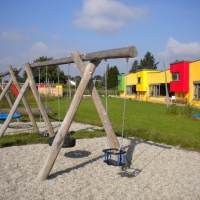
[144, 120]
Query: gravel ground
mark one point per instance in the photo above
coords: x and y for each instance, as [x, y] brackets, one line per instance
[155, 171]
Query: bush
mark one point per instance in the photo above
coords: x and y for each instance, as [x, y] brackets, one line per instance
[187, 110]
[173, 109]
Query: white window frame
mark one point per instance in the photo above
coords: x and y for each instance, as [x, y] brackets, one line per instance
[197, 90]
[155, 92]
[175, 76]
[128, 90]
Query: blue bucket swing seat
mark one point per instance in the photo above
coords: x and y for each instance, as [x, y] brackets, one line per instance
[3, 116]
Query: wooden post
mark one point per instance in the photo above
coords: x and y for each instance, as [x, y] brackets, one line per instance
[37, 98]
[5, 93]
[98, 104]
[167, 95]
[5, 90]
[13, 109]
[28, 110]
[60, 137]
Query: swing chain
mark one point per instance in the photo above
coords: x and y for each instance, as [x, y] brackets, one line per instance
[124, 109]
[106, 96]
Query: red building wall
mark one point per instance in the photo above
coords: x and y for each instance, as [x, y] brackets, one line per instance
[183, 69]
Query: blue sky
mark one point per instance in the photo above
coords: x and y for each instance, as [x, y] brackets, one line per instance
[170, 30]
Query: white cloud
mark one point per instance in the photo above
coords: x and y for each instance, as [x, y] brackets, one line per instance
[13, 36]
[37, 50]
[40, 49]
[180, 51]
[107, 16]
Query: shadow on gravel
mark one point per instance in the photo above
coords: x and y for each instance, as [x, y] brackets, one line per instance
[129, 158]
[77, 154]
[68, 170]
[130, 153]
[130, 174]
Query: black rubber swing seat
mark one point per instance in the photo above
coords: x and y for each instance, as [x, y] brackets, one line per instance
[69, 142]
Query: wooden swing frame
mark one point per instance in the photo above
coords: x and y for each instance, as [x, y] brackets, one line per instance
[13, 73]
[86, 81]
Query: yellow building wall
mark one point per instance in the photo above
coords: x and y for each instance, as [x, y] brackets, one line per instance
[52, 91]
[143, 81]
[131, 79]
[194, 75]
[58, 86]
[142, 88]
[157, 77]
[147, 77]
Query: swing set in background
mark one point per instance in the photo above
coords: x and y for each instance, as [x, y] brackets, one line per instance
[3, 116]
[86, 82]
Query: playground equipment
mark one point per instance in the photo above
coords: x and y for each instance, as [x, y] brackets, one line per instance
[119, 153]
[86, 81]
[14, 89]
[109, 153]
[68, 143]
[197, 115]
[4, 116]
[4, 93]
[13, 72]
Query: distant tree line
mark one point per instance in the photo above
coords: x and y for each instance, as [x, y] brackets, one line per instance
[47, 74]
[148, 62]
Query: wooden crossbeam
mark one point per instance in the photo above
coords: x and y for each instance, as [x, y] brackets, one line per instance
[126, 52]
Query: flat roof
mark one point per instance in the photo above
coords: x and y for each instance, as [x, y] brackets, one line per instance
[179, 61]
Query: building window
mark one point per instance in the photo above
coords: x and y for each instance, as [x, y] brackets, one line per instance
[128, 90]
[139, 80]
[154, 90]
[197, 91]
[131, 89]
[175, 76]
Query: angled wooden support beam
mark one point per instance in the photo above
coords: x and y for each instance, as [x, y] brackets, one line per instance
[16, 71]
[60, 137]
[98, 104]
[6, 94]
[38, 99]
[5, 90]
[13, 109]
[28, 110]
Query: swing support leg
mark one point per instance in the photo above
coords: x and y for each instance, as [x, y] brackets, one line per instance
[60, 136]
[13, 109]
[6, 94]
[28, 110]
[98, 104]
[37, 98]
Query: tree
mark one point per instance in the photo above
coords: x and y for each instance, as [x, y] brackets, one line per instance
[97, 77]
[19, 79]
[77, 80]
[148, 62]
[103, 77]
[49, 72]
[112, 77]
[134, 67]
